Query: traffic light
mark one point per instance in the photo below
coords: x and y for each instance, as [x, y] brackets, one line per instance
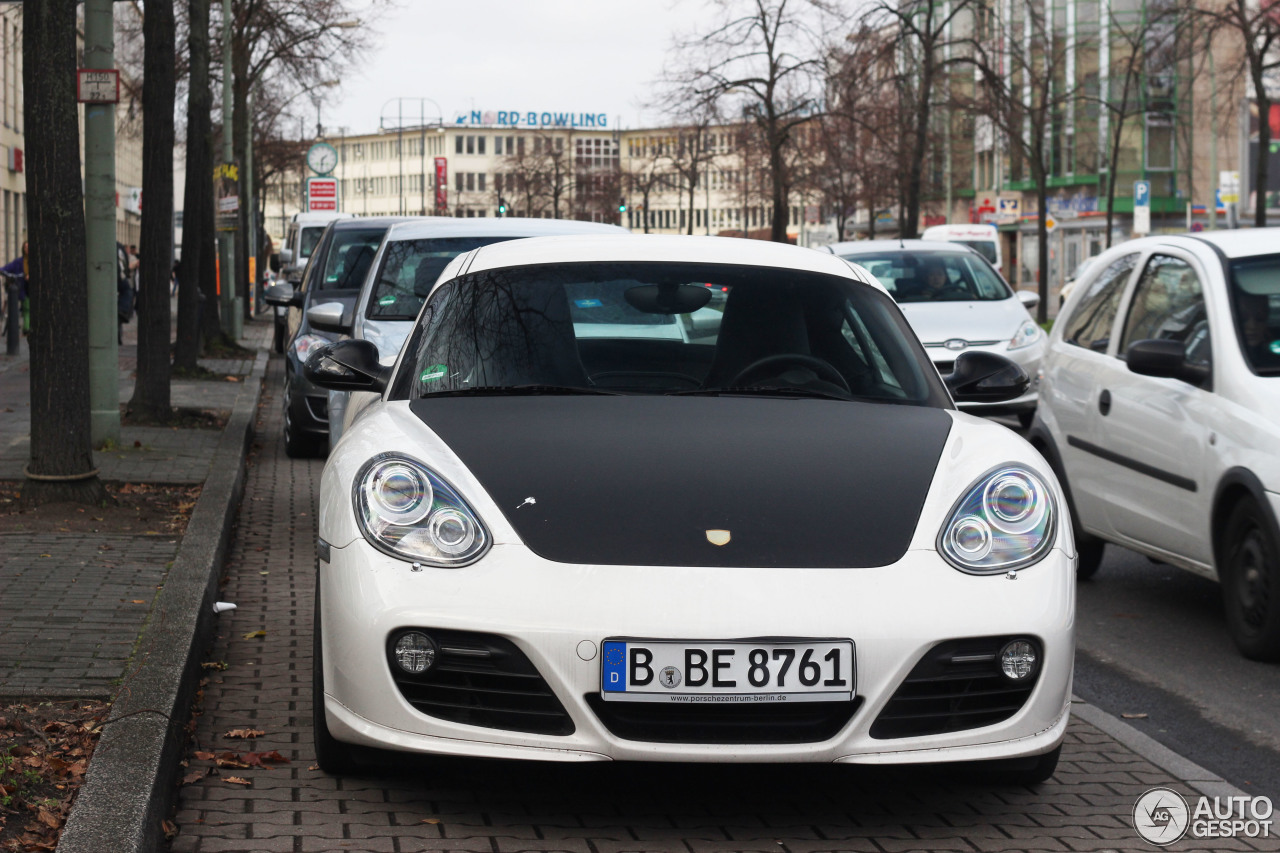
[502, 206]
[622, 205]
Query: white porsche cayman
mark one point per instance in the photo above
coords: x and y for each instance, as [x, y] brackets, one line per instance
[597, 515]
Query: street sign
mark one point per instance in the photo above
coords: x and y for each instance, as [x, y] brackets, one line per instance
[1142, 220]
[322, 194]
[1010, 207]
[97, 85]
[1050, 223]
[1141, 193]
[1229, 187]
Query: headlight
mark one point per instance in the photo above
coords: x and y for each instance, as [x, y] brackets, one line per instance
[1005, 521]
[304, 344]
[1028, 333]
[409, 511]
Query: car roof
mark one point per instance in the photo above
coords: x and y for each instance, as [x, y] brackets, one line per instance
[507, 226]
[1238, 243]
[371, 221]
[319, 218]
[875, 247]
[675, 249]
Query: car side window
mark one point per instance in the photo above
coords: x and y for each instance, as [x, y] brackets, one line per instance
[1168, 304]
[1090, 325]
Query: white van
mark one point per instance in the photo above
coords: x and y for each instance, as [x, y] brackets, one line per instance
[983, 239]
[300, 240]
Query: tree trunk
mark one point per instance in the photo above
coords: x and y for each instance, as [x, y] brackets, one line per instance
[1264, 151]
[1042, 242]
[61, 442]
[778, 224]
[198, 271]
[910, 227]
[151, 390]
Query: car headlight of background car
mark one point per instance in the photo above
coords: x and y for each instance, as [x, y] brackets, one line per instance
[304, 344]
[1028, 333]
[1005, 521]
[409, 511]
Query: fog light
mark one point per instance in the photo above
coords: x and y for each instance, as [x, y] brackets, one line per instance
[415, 652]
[1018, 659]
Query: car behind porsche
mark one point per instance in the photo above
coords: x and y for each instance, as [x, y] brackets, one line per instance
[564, 532]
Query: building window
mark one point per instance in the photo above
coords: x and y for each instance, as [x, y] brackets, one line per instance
[457, 144]
[471, 145]
[480, 145]
[480, 178]
[471, 181]
[461, 181]
[497, 146]
[1160, 145]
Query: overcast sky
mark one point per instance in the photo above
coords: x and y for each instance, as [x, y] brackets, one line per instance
[579, 56]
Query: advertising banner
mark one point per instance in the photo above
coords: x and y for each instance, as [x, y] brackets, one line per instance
[226, 190]
[442, 185]
[322, 195]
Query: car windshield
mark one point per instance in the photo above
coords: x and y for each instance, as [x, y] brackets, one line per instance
[986, 248]
[933, 276]
[1255, 300]
[664, 328]
[308, 240]
[409, 270]
[350, 257]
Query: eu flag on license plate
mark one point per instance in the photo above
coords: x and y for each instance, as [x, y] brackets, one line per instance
[614, 674]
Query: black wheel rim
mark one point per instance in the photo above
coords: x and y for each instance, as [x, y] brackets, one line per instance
[1251, 579]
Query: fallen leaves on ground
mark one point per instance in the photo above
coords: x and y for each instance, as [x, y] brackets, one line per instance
[236, 780]
[44, 753]
[244, 733]
[255, 635]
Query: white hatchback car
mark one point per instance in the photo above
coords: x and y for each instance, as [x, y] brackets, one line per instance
[775, 540]
[1160, 410]
[957, 302]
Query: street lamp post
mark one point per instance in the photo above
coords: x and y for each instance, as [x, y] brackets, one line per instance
[422, 127]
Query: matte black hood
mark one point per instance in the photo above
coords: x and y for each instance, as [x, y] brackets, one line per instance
[640, 480]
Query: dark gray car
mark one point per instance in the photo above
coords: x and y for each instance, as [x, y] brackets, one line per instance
[334, 273]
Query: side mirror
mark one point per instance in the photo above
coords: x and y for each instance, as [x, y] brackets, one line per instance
[1029, 298]
[1166, 359]
[329, 317]
[347, 366]
[286, 257]
[282, 294]
[984, 377]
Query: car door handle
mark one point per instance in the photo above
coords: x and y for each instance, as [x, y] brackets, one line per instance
[1104, 402]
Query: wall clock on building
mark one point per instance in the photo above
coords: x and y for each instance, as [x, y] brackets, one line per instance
[322, 158]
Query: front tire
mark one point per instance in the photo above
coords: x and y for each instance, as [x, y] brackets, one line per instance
[333, 756]
[1250, 577]
[297, 445]
[1089, 552]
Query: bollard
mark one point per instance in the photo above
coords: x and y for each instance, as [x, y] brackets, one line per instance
[13, 330]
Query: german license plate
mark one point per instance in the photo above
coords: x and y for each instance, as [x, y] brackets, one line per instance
[697, 671]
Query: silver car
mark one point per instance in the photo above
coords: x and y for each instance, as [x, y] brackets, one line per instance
[956, 302]
[409, 260]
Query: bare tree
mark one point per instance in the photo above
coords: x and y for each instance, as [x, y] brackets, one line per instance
[151, 390]
[693, 154]
[644, 175]
[198, 276]
[764, 56]
[61, 466]
[1023, 89]
[540, 174]
[303, 41]
[1255, 26]
[924, 58]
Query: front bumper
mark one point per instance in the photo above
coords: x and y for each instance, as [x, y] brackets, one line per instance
[557, 614]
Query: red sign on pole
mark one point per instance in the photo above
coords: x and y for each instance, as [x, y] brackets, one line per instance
[322, 194]
[442, 184]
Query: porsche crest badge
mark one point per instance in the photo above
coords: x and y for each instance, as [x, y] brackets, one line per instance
[718, 537]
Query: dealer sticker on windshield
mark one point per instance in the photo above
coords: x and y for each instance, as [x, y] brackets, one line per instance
[697, 671]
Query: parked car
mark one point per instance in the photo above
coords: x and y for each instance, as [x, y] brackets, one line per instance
[410, 260]
[1160, 410]
[300, 240]
[780, 544]
[334, 273]
[967, 306]
[983, 239]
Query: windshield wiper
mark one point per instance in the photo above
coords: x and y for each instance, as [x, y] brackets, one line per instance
[530, 390]
[767, 391]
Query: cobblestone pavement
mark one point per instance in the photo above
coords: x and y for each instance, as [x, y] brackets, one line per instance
[506, 806]
[73, 605]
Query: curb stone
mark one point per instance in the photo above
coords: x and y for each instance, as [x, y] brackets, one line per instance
[1187, 771]
[131, 778]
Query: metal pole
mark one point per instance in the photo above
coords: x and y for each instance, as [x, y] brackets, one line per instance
[100, 231]
[400, 150]
[249, 199]
[1213, 140]
[422, 183]
[232, 320]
